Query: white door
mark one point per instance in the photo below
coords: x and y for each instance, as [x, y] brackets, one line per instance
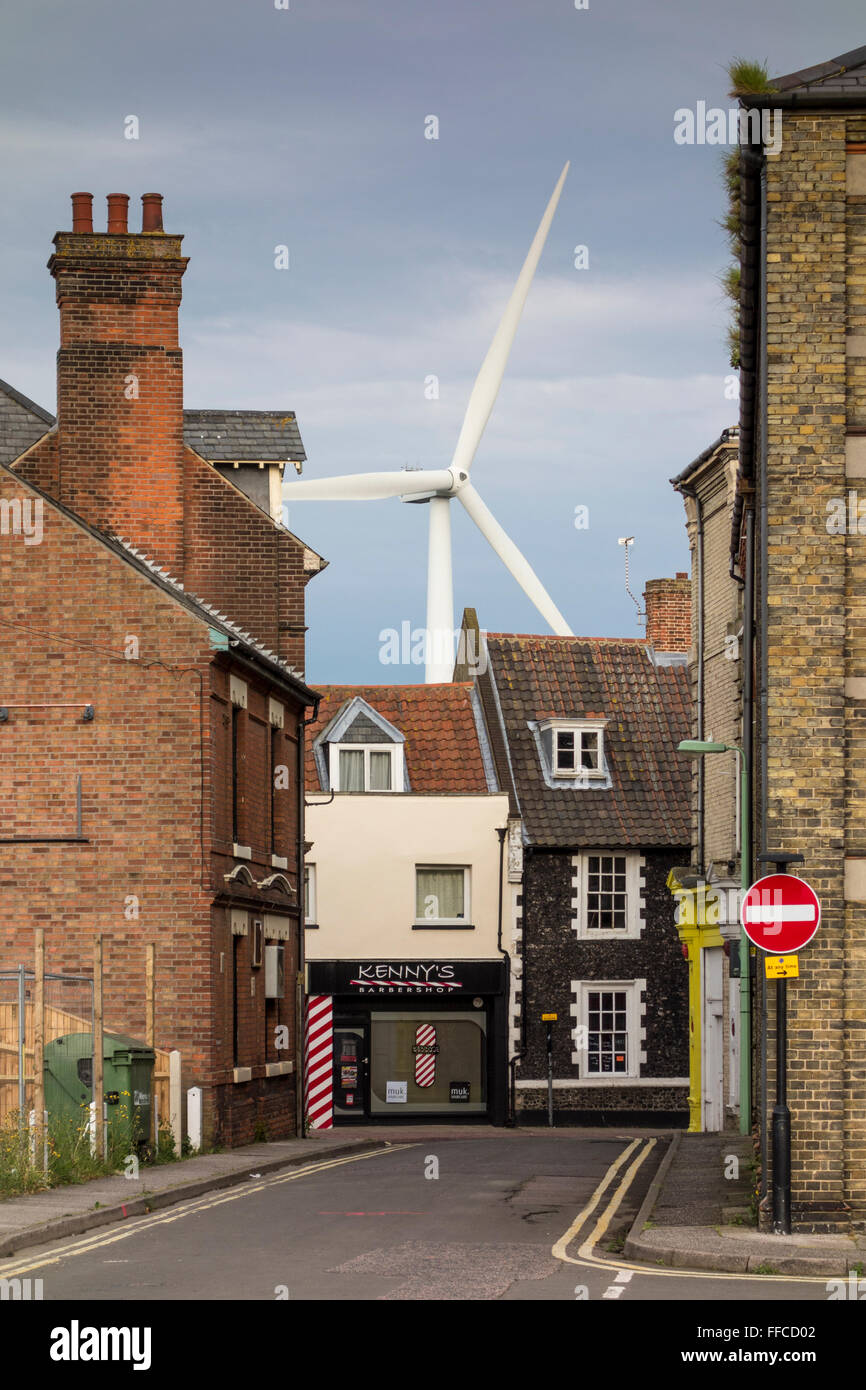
[712, 1073]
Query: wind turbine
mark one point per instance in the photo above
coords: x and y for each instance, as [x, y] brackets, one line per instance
[438, 486]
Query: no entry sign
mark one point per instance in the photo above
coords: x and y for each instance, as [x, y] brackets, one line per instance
[780, 913]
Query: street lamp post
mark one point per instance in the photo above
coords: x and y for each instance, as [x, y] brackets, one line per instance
[697, 748]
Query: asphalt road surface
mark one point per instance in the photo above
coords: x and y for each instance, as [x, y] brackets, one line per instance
[531, 1218]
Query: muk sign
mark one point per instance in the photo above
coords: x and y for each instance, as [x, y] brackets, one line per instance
[425, 1050]
[782, 915]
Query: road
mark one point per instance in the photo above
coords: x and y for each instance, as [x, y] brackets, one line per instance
[518, 1218]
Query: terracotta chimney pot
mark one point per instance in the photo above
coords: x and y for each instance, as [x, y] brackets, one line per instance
[118, 204]
[82, 212]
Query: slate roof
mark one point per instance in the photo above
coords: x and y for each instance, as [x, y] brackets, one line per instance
[220, 436]
[442, 748]
[846, 73]
[647, 707]
[225, 436]
[22, 422]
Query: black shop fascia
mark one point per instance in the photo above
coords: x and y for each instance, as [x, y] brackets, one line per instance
[417, 1039]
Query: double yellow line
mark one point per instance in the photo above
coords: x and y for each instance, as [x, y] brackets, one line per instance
[588, 1259]
[177, 1213]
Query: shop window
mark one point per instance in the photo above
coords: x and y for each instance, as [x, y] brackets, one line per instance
[441, 896]
[428, 1062]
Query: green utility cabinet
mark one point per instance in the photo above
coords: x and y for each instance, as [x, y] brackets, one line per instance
[127, 1081]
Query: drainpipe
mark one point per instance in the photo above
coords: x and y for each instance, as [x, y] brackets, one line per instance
[501, 831]
[699, 559]
[748, 836]
[762, 632]
[519, 1056]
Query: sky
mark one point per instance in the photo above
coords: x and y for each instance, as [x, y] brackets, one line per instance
[306, 127]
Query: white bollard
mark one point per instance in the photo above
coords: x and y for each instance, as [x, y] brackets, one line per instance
[193, 1115]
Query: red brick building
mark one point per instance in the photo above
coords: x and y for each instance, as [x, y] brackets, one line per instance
[152, 698]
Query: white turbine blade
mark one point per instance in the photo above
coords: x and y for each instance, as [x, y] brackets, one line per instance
[361, 487]
[489, 379]
[513, 560]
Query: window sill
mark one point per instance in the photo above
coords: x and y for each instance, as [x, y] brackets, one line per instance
[279, 1068]
[443, 926]
[602, 934]
[311, 926]
[242, 1074]
[279, 861]
[241, 851]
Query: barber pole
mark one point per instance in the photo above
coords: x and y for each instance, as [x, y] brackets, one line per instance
[425, 1050]
[319, 1060]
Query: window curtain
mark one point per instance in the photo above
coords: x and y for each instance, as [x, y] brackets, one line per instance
[439, 893]
[380, 772]
[351, 770]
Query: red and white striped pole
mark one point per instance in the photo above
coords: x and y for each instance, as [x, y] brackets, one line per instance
[319, 1061]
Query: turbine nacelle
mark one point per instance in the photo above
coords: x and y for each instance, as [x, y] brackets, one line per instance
[458, 480]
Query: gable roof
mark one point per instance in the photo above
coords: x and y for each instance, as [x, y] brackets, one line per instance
[22, 422]
[230, 436]
[442, 749]
[647, 706]
[220, 625]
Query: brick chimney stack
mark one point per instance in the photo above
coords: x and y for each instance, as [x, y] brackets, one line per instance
[120, 375]
[668, 605]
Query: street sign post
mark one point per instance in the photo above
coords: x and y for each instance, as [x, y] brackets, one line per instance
[780, 914]
[549, 1019]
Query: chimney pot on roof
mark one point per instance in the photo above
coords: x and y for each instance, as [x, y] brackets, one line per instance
[118, 204]
[82, 212]
[151, 212]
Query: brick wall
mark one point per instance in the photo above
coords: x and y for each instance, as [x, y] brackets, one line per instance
[155, 771]
[811, 236]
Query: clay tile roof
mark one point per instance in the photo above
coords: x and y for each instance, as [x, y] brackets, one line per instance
[442, 750]
[648, 711]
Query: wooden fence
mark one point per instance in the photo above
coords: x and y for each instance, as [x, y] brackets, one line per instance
[57, 1023]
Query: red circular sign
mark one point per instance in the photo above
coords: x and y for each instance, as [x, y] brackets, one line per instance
[780, 913]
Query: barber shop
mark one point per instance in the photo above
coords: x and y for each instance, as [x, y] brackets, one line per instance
[407, 1040]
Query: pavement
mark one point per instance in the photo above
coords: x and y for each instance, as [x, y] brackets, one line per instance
[697, 1214]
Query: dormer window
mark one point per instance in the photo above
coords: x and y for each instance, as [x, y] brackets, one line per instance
[574, 747]
[364, 767]
[360, 751]
[576, 750]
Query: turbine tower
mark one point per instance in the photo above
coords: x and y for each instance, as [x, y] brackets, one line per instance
[437, 487]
